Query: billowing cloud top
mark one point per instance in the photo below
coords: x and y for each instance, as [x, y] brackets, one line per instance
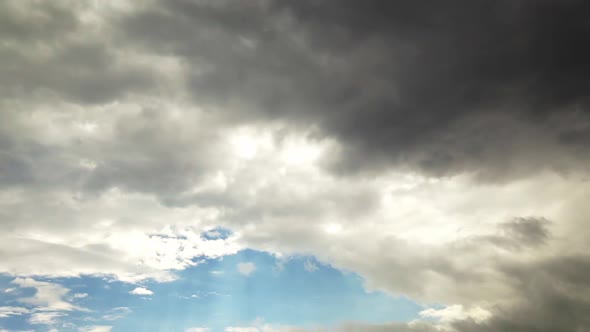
[439, 149]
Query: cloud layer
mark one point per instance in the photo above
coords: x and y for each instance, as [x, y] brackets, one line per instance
[439, 150]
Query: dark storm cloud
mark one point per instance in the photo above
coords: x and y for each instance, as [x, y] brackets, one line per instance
[528, 231]
[494, 87]
[555, 298]
[444, 87]
[517, 234]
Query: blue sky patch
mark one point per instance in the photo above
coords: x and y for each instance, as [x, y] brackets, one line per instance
[217, 234]
[229, 291]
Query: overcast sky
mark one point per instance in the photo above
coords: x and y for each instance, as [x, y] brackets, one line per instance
[295, 165]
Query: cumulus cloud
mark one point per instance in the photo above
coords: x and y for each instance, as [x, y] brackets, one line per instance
[96, 328]
[141, 291]
[455, 313]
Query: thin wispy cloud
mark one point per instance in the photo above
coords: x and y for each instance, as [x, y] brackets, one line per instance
[246, 268]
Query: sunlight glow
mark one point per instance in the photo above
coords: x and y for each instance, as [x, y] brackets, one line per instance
[300, 153]
[333, 228]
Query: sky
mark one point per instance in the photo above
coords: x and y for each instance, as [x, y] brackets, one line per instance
[294, 166]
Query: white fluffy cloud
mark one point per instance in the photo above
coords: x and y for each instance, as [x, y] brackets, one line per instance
[141, 291]
[96, 328]
[455, 313]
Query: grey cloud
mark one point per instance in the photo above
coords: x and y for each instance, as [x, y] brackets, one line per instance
[47, 49]
[553, 296]
[391, 327]
[467, 271]
[517, 234]
[497, 88]
[21, 257]
[144, 151]
[29, 162]
[151, 152]
[492, 87]
[547, 294]
[484, 86]
[20, 21]
[82, 72]
[528, 231]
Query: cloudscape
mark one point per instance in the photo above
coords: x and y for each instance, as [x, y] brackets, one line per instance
[295, 165]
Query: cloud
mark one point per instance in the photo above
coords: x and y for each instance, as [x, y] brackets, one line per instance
[45, 318]
[45, 306]
[310, 266]
[117, 313]
[388, 327]
[246, 268]
[141, 291]
[80, 295]
[439, 150]
[455, 89]
[456, 313]
[48, 296]
[115, 253]
[555, 299]
[198, 329]
[8, 311]
[355, 327]
[96, 328]
[92, 71]
[241, 329]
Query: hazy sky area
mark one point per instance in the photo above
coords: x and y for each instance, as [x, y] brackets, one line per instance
[295, 166]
